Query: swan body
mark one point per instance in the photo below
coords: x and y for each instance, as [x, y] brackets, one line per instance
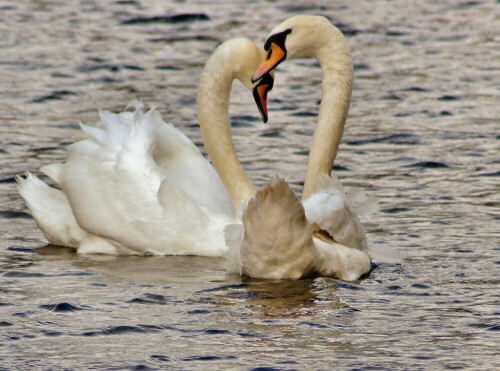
[297, 249]
[133, 186]
[137, 185]
[281, 237]
[284, 238]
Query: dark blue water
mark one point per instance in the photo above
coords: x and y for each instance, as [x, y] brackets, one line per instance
[422, 136]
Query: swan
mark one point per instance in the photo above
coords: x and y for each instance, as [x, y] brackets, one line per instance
[282, 237]
[137, 185]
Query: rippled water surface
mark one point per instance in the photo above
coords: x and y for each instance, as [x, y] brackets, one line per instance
[423, 135]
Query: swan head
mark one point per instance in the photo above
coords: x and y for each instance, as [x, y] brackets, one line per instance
[299, 36]
[238, 59]
[260, 90]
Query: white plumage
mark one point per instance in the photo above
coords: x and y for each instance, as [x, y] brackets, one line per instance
[137, 185]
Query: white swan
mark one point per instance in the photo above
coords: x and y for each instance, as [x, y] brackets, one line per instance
[283, 238]
[137, 185]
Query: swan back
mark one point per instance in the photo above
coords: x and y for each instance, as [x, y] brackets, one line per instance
[277, 242]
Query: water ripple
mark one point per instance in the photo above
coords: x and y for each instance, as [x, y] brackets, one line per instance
[428, 165]
[61, 307]
[175, 18]
[399, 138]
[148, 298]
[117, 330]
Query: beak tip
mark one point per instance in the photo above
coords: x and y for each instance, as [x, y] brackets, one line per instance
[263, 116]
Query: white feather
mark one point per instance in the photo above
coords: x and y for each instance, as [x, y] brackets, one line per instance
[53, 171]
[51, 210]
[136, 185]
[330, 209]
[121, 192]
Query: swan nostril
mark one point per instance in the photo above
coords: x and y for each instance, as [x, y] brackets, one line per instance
[269, 54]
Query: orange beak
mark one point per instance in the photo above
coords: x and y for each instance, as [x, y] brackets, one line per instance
[275, 55]
[260, 94]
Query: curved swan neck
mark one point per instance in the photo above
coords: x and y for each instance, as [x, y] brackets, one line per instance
[332, 53]
[234, 59]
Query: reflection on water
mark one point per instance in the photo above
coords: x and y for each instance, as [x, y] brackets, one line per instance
[272, 299]
[422, 136]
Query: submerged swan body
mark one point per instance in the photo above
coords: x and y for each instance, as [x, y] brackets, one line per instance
[137, 185]
[283, 238]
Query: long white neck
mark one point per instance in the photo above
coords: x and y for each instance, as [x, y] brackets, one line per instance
[234, 59]
[333, 55]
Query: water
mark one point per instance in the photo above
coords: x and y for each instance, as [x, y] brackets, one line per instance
[422, 135]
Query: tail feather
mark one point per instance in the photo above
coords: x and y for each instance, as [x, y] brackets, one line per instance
[277, 243]
[53, 171]
[94, 133]
[116, 129]
[51, 211]
[132, 131]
